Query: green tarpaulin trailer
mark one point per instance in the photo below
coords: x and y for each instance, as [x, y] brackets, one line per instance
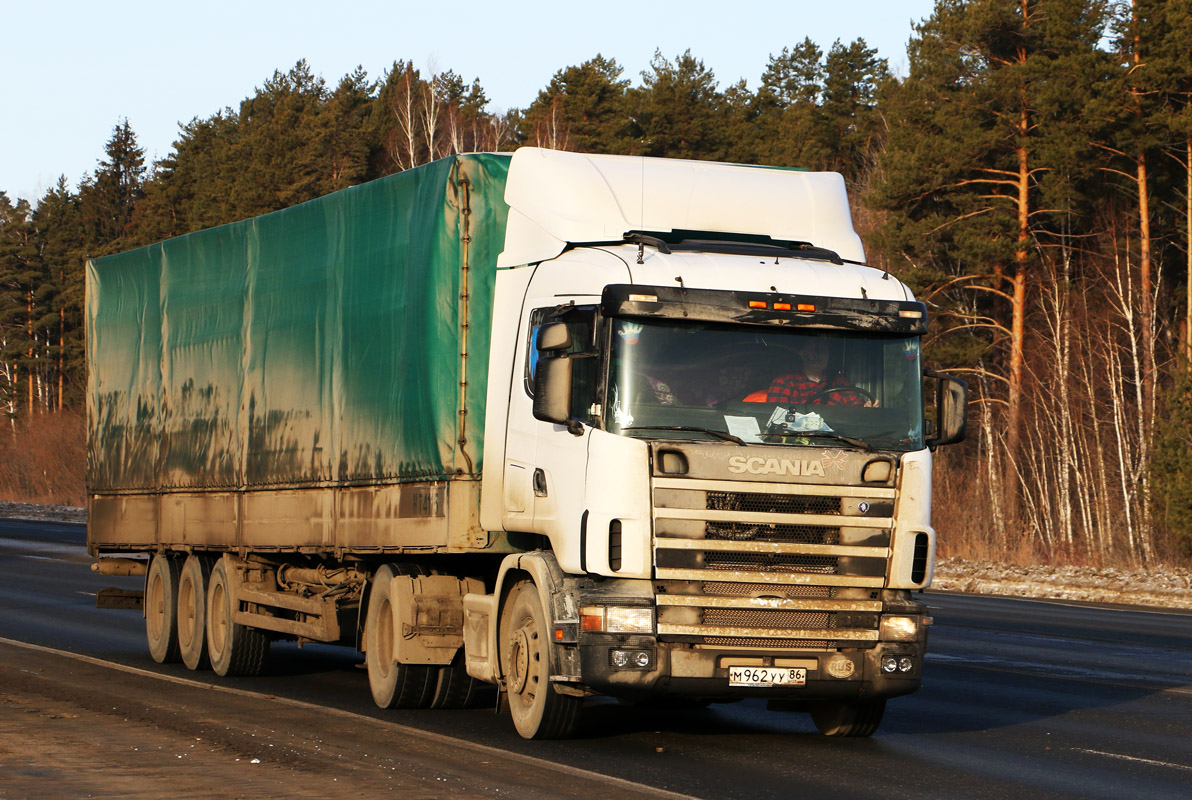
[324, 350]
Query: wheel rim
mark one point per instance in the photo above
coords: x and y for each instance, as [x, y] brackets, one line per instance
[519, 661]
[186, 612]
[155, 606]
[384, 639]
[219, 619]
[524, 659]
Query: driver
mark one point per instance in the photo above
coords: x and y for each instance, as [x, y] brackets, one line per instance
[809, 384]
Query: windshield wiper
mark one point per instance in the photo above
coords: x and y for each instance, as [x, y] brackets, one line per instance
[860, 443]
[728, 437]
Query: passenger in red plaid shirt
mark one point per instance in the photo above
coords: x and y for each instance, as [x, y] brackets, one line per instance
[799, 388]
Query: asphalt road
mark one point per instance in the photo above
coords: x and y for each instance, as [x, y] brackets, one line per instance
[1021, 699]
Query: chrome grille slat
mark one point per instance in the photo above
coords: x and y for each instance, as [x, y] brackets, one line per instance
[761, 563]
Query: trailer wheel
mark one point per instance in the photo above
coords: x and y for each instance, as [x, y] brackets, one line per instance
[539, 712]
[393, 685]
[233, 649]
[192, 610]
[161, 609]
[854, 718]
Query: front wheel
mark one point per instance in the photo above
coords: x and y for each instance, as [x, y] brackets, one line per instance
[539, 712]
[853, 718]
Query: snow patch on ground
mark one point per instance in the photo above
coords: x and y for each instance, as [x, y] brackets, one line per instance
[1160, 587]
[42, 513]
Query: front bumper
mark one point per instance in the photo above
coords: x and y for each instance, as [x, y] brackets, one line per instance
[678, 669]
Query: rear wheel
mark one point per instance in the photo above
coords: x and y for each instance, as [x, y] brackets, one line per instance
[233, 649]
[393, 685]
[192, 611]
[855, 718]
[539, 712]
[455, 688]
[161, 609]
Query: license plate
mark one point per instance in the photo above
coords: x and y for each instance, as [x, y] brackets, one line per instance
[766, 676]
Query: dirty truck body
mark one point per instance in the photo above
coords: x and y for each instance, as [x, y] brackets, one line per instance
[504, 420]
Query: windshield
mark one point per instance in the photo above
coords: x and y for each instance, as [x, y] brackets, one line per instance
[678, 380]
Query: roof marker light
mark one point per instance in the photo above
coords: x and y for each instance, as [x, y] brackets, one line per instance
[910, 314]
[805, 307]
[782, 306]
[643, 298]
[757, 303]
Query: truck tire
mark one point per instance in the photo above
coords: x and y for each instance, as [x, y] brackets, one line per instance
[455, 688]
[853, 718]
[538, 711]
[192, 610]
[393, 685]
[161, 609]
[232, 648]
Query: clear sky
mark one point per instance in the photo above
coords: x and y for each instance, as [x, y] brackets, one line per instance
[75, 68]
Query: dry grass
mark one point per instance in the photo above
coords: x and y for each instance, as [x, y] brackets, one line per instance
[963, 518]
[42, 459]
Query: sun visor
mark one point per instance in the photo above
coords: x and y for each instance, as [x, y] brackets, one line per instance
[558, 198]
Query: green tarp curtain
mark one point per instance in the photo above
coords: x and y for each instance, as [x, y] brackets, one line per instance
[314, 345]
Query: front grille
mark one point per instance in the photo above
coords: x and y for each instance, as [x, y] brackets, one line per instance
[768, 562]
[788, 534]
[751, 618]
[772, 503]
[771, 644]
[739, 565]
[727, 589]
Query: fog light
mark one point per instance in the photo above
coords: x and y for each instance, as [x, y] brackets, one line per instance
[906, 664]
[641, 658]
[620, 658]
[889, 664]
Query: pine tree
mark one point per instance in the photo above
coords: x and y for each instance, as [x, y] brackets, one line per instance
[583, 108]
[985, 127]
[677, 110]
[109, 197]
[58, 225]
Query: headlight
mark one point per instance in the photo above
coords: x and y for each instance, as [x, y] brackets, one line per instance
[899, 629]
[616, 619]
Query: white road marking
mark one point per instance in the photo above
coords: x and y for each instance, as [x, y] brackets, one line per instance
[637, 789]
[1150, 761]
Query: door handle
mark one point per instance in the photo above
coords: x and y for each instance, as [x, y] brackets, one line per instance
[539, 483]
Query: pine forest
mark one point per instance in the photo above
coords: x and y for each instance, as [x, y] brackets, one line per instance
[1030, 177]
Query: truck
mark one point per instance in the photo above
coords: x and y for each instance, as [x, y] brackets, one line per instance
[519, 420]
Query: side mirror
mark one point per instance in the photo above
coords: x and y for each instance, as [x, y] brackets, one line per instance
[554, 338]
[552, 389]
[951, 404]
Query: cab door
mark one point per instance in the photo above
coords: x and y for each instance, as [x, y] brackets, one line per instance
[545, 466]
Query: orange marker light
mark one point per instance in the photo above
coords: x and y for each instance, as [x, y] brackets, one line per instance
[782, 306]
[757, 303]
[806, 307]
